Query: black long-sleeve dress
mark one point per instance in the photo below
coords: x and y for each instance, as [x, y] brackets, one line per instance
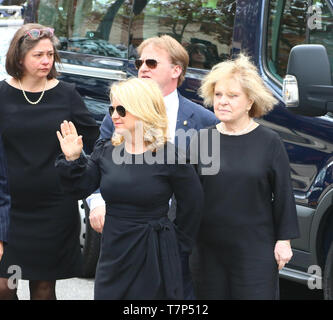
[43, 236]
[140, 246]
[249, 205]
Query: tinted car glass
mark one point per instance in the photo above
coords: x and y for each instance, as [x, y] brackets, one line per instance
[90, 27]
[321, 27]
[92, 33]
[294, 22]
[286, 28]
[204, 28]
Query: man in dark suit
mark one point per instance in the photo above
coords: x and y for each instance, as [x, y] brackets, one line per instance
[164, 60]
[4, 201]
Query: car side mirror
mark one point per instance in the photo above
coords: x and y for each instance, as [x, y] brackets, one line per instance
[307, 87]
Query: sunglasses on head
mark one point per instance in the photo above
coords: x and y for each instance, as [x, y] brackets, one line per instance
[120, 110]
[36, 33]
[150, 63]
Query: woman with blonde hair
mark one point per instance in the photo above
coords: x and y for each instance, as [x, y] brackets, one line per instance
[140, 246]
[149, 109]
[249, 210]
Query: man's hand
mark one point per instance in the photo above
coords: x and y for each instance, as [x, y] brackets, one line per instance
[282, 252]
[97, 218]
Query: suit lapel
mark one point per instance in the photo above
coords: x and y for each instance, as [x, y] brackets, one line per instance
[184, 118]
[185, 113]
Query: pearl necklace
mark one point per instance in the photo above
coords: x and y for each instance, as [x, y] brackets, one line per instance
[25, 96]
[220, 128]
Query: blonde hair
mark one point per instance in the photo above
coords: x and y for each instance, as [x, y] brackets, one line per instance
[177, 53]
[243, 70]
[144, 100]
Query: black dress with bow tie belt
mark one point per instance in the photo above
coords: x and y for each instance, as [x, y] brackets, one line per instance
[140, 246]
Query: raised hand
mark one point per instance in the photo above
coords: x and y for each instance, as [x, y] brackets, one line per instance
[71, 144]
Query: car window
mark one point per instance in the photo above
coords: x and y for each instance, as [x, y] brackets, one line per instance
[321, 27]
[204, 28]
[97, 27]
[286, 28]
[293, 22]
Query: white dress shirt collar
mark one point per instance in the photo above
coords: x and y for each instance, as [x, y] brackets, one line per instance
[172, 105]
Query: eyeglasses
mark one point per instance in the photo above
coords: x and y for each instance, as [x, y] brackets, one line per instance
[120, 110]
[150, 63]
[34, 34]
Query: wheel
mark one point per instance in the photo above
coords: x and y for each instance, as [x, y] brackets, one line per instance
[328, 275]
[90, 242]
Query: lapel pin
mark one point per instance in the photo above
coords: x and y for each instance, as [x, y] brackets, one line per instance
[185, 122]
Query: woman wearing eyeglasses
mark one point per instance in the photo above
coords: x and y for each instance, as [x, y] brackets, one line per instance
[137, 171]
[43, 238]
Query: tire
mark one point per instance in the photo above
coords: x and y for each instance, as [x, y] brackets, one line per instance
[328, 275]
[90, 244]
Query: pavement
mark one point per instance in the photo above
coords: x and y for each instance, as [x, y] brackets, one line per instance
[68, 289]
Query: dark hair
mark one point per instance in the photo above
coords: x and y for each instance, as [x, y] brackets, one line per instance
[195, 48]
[21, 44]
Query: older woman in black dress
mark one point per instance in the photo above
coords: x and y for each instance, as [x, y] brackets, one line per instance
[43, 236]
[137, 171]
[249, 213]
